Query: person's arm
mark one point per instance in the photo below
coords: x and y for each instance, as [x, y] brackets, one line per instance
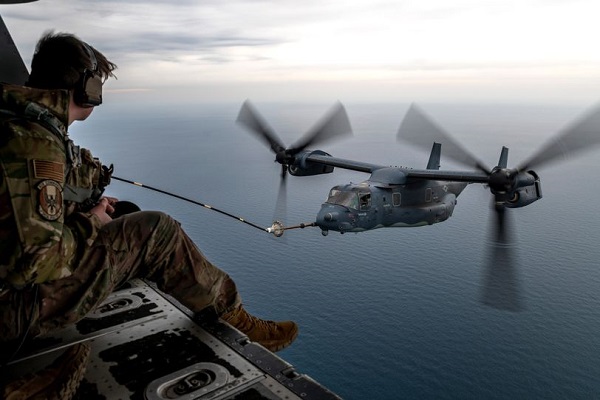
[34, 166]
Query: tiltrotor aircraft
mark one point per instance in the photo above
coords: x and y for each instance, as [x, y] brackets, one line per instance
[407, 197]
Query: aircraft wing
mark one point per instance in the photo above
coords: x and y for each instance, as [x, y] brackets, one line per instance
[436, 175]
[343, 163]
[452, 176]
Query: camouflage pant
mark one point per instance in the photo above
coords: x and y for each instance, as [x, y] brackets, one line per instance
[145, 244]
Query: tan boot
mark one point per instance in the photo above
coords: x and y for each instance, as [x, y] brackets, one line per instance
[272, 335]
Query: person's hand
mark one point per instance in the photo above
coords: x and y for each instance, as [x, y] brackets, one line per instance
[103, 209]
[111, 200]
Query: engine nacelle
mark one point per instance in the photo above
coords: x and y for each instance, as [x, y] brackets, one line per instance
[526, 195]
[303, 167]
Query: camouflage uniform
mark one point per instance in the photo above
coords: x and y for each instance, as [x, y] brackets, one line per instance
[54, 252]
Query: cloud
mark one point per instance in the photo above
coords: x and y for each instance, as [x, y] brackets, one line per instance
[159, 43]
[138, 26]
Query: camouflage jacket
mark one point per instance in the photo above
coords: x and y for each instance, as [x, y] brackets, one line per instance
[41, 226]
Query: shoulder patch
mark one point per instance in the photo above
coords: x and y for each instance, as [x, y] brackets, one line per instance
[50, 200]
[43, 169]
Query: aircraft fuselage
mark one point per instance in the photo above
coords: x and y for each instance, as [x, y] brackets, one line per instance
[370, 205]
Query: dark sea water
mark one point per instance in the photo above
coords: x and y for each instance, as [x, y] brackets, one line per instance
[390, 313]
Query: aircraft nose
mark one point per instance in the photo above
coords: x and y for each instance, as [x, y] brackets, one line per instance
[331, 217]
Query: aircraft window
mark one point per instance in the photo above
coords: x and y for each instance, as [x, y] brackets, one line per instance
[346, 199]
[428, 195]
[365, 201]
[333, 193]
[396, 199]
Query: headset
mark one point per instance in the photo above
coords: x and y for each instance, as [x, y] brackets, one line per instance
[88, 90]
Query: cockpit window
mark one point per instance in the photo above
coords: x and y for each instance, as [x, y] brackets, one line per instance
[364, 200]
[350, 199]
[343, 198]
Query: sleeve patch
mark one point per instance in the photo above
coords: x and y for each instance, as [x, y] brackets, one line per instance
[50, 200]
[43, 169]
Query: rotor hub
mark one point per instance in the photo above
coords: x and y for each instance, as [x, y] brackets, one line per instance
[502, 180]
[284, 157]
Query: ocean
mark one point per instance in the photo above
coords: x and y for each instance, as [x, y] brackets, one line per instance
[390, 313]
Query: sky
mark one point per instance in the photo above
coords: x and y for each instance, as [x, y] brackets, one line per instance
[322, 51]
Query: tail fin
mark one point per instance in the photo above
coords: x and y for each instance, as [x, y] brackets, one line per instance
[434, 157]
[503, 161]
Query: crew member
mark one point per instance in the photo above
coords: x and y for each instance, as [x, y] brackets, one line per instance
[61, 250]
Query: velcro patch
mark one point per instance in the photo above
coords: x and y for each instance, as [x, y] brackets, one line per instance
[50, 200]
[43, 169]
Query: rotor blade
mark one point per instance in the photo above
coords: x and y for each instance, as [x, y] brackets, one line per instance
[419, 130]
[583, 134]
[251, 119]
[501, 288]
[281, 205]
[335, 123]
